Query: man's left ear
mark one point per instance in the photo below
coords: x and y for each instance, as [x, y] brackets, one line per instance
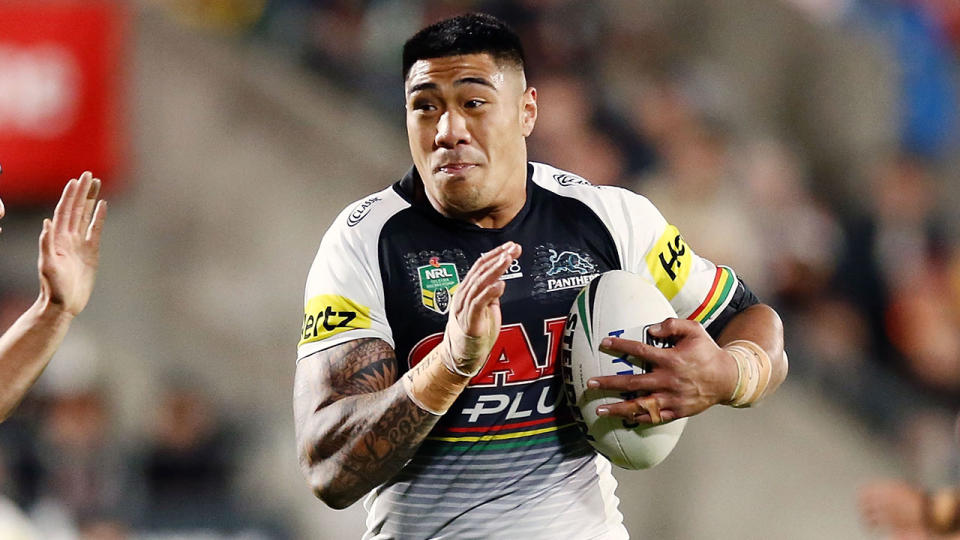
[529, 113]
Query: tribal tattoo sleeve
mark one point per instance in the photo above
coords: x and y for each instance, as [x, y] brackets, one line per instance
[356, 427]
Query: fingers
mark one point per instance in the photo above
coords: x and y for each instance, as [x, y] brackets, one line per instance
[62, 213]
[617, 347]
[674, 329]
[74, 211]
[483, 292]
[96, 227]
[487, 297]
[648, 382]
[79, 201]
[651, 409]
[485, 271]
[45, 245]
[89, 203]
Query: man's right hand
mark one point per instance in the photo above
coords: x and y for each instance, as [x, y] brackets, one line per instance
[474, 322]
[70, 246]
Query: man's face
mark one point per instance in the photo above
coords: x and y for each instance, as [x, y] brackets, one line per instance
[467, 122]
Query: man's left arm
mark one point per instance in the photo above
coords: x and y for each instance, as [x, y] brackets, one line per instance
[743, 365]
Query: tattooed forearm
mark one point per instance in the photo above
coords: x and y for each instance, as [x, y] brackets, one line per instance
[356, 427]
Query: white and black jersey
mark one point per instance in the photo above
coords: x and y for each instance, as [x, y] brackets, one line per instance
[506, 460]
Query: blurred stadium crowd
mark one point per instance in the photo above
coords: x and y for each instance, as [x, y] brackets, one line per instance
[810, 145]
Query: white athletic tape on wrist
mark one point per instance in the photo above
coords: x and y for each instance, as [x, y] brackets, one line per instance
[408, 386]
[754, 370]
[475, 349]
[431, 384]
[451, 363]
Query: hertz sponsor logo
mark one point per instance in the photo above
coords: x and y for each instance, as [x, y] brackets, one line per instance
[327, 315]
[669, 262]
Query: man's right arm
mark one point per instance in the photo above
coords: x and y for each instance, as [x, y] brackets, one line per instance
[357, 424]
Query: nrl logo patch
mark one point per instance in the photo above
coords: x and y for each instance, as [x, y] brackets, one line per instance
[438, 282]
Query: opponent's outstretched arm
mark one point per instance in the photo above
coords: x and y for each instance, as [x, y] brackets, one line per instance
[357, 424]
[69, 255]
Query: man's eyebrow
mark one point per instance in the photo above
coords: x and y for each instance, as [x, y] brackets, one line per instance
[466, 80]
[422, 86]
[474, 80]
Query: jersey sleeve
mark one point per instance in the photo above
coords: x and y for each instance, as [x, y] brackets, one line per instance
[697, 289]
[344, 297]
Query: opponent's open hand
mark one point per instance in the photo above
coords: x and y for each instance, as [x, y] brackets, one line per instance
[686, 379]
[474, 322]
[70, 245]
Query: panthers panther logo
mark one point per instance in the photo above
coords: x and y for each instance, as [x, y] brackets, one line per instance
[569, 261]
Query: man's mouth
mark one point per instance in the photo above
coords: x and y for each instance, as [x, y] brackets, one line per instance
[455, 168]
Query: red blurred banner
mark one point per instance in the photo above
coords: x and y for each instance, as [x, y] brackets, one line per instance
[62, 69]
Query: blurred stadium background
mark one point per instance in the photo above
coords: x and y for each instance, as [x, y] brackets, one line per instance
[811, 144]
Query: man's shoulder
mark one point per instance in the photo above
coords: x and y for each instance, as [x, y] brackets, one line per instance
[368, 214]
[558, 180]
[600, 198]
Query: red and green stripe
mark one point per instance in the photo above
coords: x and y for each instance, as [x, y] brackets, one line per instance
[493, 443]
[508, 426]
[723, 282]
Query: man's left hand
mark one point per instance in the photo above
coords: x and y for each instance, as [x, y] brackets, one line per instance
[686, 379]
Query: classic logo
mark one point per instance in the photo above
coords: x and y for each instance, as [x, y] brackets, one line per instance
[361, 211]
[569, 262]
[438, 283]
[565, 179]
[327, 315]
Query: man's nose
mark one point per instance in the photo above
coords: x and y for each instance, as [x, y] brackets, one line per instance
[451, 130]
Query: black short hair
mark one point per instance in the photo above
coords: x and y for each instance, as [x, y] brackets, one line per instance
[470, 33]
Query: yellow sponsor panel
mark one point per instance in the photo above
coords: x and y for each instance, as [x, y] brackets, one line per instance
[669, 262]
[330, 314]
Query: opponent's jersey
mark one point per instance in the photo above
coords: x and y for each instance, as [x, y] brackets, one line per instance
[507, 460]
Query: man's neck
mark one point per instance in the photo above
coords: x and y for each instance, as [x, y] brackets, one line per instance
[498, 218]
[493, 217]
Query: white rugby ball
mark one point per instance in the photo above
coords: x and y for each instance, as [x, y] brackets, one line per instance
[621, 304]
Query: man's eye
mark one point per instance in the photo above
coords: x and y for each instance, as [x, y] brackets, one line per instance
[423, 106]
[474, 103]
